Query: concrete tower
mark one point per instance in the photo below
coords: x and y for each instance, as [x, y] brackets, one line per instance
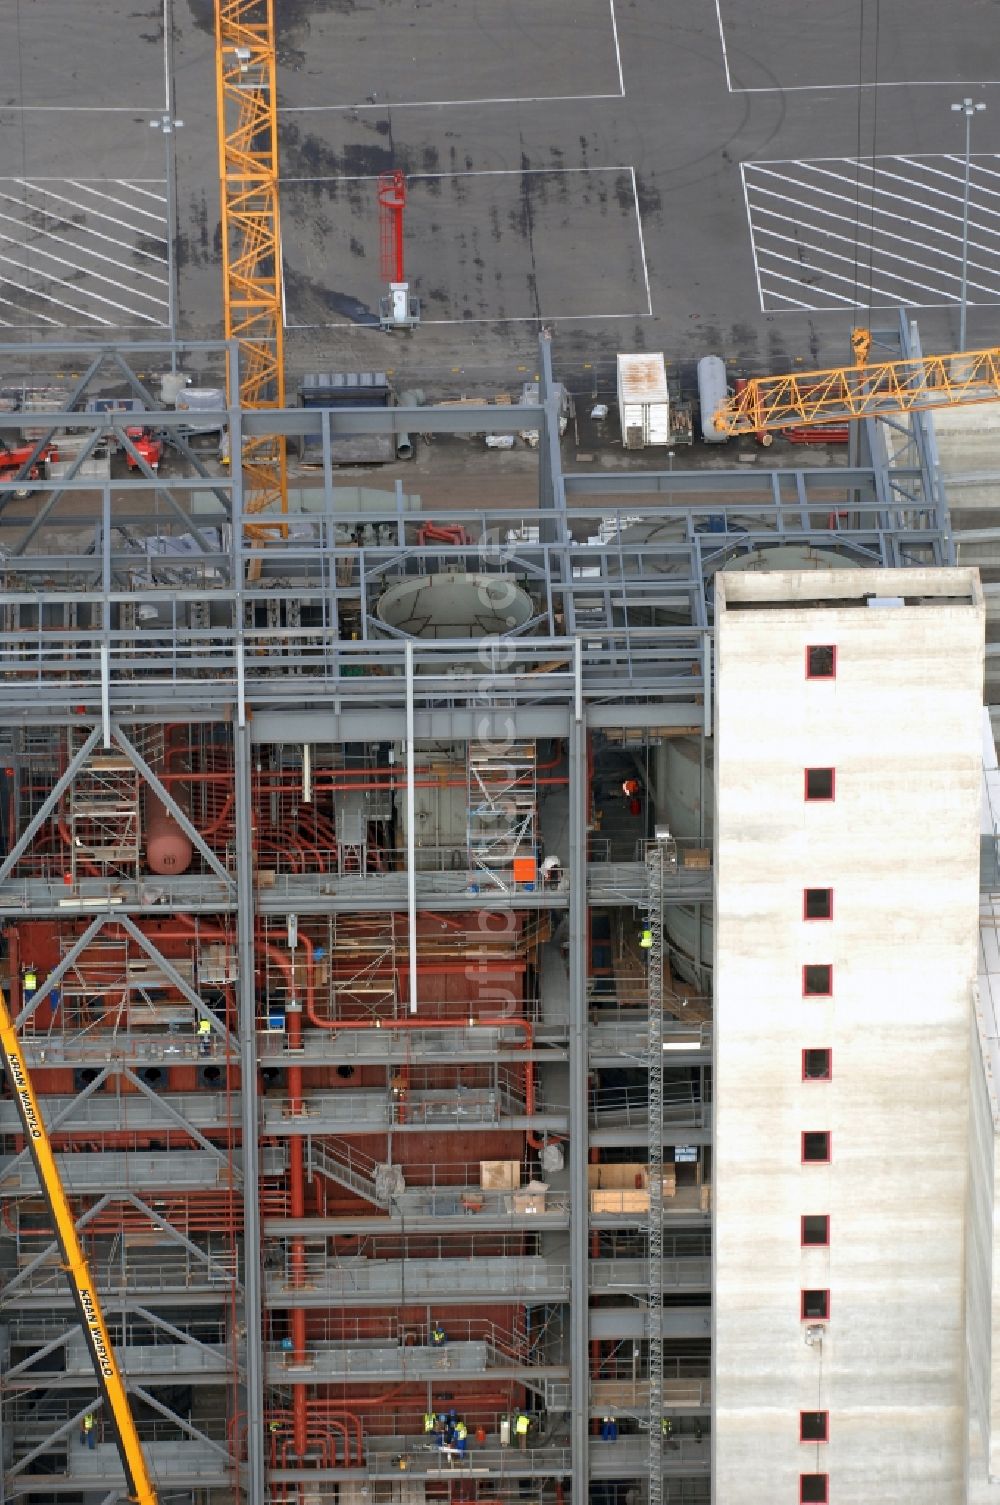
[848, 775]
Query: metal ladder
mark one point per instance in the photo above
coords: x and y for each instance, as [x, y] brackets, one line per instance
[656, 862]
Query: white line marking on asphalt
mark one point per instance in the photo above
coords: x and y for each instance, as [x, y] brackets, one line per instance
[881, 251]
[35, 248]
[87, 208]
[508, 319]
[491, 172]
[746, 205]
[618, 51]
[471, 172]
[887, 247]
[884, 272]
[160, 198]
[725, 50]
[642, 243]
[35, 292]
[504, 99]
[62, 240]
[97, 234]
[122, 203]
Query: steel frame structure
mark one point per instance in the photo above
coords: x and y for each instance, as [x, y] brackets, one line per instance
[620, 641]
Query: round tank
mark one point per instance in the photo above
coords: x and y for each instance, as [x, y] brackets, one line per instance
[168, 848]
[794, 556]
[455, 606]
[711, 395]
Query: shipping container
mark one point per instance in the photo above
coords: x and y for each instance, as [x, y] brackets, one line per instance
[643, 401]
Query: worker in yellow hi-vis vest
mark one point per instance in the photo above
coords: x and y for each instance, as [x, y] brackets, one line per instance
[203, 1030]
[521, 1424]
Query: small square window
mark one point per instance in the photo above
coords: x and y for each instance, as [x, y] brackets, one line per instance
[817, 1065]
[817, 903]
[816, 1146]
[820, 783]
[817, 980]
[815, 1229]
[814, 1426]
[815, 1306]
[814, 1489]
[821, 661]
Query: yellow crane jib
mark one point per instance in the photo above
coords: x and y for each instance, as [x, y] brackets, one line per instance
[109, 1379]
[770, 403]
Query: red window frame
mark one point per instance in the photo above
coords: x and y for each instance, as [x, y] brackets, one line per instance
[819, 799]
[812, 1243]
[814, 1499]
[826, 1426]
[814, 918]
[812, 992]
[833, 649]
[827, 1158]
[829, 1062]
[814, 1291]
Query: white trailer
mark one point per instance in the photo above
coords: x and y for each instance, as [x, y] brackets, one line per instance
[643, 401]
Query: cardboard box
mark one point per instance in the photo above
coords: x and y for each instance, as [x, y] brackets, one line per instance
[631, 1176]
[531, 1199]
[706, 1199]
[500, 1175]
[697, 857]
[619, 1201]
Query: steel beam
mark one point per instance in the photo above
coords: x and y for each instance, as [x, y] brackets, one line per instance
[170, 804]
[49, 804]
[578, 1112]
[253, 1309]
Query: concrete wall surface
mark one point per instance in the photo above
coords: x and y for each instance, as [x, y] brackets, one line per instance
[899, 846]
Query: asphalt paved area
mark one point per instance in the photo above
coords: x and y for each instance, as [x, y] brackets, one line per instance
[633, 173]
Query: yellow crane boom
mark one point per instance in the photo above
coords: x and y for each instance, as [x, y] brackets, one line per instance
[247, 122]
[768, 404]
[109, 1379]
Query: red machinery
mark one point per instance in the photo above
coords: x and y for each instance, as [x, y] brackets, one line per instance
[12, 460]
[391, 208]
[147, 445]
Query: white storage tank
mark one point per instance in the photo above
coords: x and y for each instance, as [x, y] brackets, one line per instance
[712, 392]
[643, 402]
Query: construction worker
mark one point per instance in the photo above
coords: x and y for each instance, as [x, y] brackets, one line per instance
[430, 1421]
[438, 1336]
[609, 1429]
[87, 1430]
[646, 939]
[203, 1031]
[460, 1438]
[29, 983]
[442, 1429]
[666, 1426]
[521, 1424]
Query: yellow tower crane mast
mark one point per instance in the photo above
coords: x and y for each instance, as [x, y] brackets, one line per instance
[117, 1407]
[882, 389]
[247, 121]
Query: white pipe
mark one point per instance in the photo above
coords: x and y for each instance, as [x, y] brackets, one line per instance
[307, 774]
[411, 822]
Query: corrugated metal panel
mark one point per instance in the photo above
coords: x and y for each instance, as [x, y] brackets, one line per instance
[658, 423]
[642, 378]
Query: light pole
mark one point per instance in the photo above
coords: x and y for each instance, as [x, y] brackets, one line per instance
[170, 125]
[968, 109]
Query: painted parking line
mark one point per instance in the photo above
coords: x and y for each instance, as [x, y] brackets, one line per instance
[82, 253]
[832, 232]
[624, 171]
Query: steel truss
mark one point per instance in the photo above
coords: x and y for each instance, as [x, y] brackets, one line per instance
[226, 630]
